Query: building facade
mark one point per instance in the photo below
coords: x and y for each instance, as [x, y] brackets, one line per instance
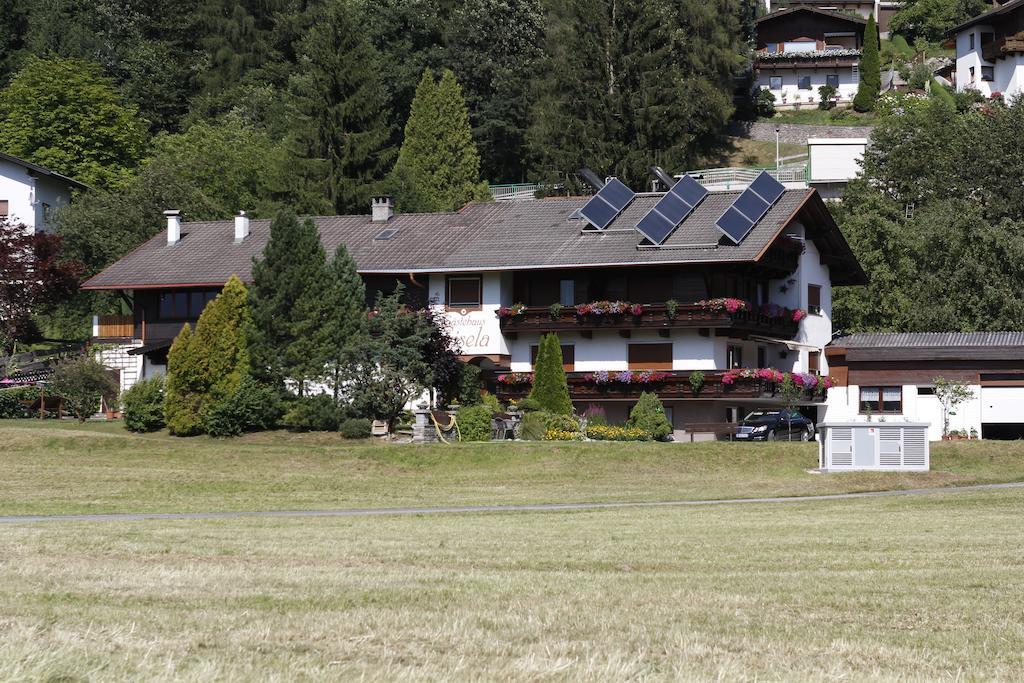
[30, 194]
[990, 51]
[630, 315]
[802, 48]
[891, 377]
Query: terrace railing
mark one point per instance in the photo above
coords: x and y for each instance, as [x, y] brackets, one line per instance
[514, 192]
[541, 319]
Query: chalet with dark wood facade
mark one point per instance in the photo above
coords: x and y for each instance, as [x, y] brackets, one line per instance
[631, 315]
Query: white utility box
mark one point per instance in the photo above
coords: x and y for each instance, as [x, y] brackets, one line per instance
[847, 446]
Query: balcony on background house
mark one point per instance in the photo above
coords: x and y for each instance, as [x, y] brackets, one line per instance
[668, 385]
[772, 321]
[113, 327]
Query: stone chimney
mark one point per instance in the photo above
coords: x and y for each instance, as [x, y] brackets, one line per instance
[241, 226]
[383, 208]
[173, 226]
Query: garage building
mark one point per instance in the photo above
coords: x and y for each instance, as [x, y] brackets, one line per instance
[891, 377]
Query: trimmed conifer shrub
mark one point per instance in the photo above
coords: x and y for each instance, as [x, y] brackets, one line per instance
[550, 388]
[649, 415]
[475, 422]
[183, 399]
[143, 405]
[252, 407]
[870, 70]
[318, 413]
[220, 347]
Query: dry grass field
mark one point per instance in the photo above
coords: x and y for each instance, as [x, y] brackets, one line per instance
[61, 468]
[925, 587]
[912, 587]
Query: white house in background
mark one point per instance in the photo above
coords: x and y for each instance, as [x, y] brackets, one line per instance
[694, 309]
[990, 51]
[802, 48]
[834, 162]
[30, 193]
[890, 377]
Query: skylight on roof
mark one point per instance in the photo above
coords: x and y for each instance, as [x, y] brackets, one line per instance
[386, 234]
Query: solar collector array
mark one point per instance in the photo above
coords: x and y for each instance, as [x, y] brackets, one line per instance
[671, 210]
[608, 203]
[750, 207]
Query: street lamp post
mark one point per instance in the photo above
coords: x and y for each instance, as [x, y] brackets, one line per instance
[778, 162]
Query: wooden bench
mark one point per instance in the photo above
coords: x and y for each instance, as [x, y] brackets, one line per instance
[718, 429]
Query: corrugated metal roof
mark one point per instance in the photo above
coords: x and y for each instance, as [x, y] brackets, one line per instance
[929, 340]
[481, 237]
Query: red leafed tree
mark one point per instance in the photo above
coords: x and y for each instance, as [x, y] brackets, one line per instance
[32, 275]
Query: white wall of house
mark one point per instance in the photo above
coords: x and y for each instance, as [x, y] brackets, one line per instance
[478, 331]
[788, 92]
[843, 403]
[117, 358]
[1007, 72]
[31, 200]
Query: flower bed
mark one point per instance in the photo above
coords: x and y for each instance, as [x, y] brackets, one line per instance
[602, 377]
[609, 433]
[561, 435]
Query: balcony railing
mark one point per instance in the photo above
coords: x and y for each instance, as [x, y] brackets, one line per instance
[673, 385]
[113, 326]
[541, 319]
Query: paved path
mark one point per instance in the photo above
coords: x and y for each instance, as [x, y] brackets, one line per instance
[540, 507]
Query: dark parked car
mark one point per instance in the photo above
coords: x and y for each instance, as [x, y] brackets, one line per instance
[775, 425]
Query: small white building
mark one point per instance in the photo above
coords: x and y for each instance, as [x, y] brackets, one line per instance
[30, 193]
[890, 377]
[802, 48]
[990, 51]
[834, 162]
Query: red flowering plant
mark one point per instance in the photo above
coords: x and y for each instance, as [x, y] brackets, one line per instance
[511, 311]
[515, 378]
[599, 308]
[727, 304]
[805, 380]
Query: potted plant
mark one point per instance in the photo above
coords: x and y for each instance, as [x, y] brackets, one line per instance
[555, 310]
[696, 381]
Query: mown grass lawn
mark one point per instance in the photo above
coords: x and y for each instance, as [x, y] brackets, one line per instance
[915, 588]
[61, 468]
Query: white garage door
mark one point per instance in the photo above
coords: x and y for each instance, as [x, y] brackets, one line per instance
[1002, 404]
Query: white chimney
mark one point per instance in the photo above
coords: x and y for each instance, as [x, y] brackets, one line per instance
[173, 226]
[383, 208]
[241, 226]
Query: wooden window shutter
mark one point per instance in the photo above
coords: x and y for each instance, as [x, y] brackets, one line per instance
[650, 356]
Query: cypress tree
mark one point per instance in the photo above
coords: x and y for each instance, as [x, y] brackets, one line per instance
[286, 301]
[184, 381]
[344, 297]
[343, 110]
[219, 346]
[550, 388]
[870, 70]
[438, 156]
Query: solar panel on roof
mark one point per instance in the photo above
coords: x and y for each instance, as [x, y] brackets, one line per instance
[671, 210]
[750, 207]
[608, 203]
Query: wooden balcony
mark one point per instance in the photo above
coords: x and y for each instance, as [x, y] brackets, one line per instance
[113, 327]
[675, 386]
[540, 319]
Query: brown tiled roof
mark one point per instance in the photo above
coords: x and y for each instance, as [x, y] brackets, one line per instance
[482, 237]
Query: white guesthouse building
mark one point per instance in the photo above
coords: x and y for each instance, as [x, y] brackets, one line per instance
[631, 315]
[990, 51]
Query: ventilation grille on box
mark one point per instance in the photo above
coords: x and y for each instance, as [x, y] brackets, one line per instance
[842, 458]
[914, 447]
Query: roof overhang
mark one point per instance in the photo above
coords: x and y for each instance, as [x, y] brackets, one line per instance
[785, 11]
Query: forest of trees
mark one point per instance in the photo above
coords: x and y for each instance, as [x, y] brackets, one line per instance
[212, 106]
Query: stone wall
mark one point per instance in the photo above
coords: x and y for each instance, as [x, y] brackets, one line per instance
[795, 133]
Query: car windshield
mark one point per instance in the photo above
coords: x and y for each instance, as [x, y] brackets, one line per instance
[762, 417]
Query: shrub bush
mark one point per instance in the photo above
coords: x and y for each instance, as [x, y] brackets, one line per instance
[607, 433]
[82, 382]
[765, 102]
[144, 405]
[252, 407]
[475, 422]
[12, 402]
[648, 415]
[529, 405]
[536, 424]
[317, 413]
[469, 386]
[356, 428]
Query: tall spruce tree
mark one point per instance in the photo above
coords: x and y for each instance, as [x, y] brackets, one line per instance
[344, 297]
[182, 405]
[343, 128]
[550, 388]
[627, 83]
[286, 302]
[870, 70]
[438, 156]
[235, 35]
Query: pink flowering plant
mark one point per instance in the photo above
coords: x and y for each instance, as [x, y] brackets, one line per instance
[515, 378]
[602, 308]
[511, 311]
[644, 377]
[805, 380]
[728, 304]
